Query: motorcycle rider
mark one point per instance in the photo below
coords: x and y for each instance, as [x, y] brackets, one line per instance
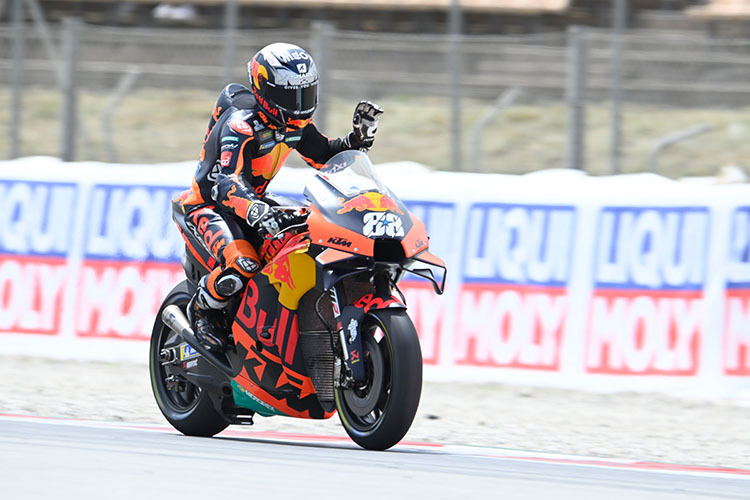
[250, 134]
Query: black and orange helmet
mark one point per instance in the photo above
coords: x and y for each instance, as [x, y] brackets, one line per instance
[284, 80]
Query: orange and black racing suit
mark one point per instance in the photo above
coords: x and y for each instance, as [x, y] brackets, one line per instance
[241, 153]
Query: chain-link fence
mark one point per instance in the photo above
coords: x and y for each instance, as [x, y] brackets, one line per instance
[672, 82]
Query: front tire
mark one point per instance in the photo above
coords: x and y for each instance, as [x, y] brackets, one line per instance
[378, 414]
[190, 411]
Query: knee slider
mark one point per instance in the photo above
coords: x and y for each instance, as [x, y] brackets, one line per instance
[229, 283]
[205, 299]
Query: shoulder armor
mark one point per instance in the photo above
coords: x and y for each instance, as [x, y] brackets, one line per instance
[241, 121]
[238, 96]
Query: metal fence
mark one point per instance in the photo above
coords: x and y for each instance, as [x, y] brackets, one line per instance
[555, 73]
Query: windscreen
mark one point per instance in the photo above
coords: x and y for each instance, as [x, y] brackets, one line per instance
[348, 191]
[351, 173]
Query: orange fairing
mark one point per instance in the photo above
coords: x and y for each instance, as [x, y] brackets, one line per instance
[321, 231]
[415, 240]
[331, 255]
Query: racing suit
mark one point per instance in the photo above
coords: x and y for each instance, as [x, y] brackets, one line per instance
[242, 151]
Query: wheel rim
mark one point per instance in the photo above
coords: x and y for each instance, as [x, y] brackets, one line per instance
[365, 405]
[178, 401]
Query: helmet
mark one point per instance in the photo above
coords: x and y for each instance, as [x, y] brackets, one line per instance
[284, 80]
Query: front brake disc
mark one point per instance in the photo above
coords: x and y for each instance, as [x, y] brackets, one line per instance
[362, 400]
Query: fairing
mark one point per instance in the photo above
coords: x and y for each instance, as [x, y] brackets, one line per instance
[348, 192]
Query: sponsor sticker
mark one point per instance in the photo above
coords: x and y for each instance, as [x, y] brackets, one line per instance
[226, 158]
[353, 327]
[241, 126]
[187, 352]
[372, 201]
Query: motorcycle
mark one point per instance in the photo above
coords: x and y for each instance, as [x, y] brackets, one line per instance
[321, 329]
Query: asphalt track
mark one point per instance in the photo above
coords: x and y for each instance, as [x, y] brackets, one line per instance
[42, 458]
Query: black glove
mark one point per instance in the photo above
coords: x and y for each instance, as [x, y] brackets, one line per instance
[275, 221]
[365, 123]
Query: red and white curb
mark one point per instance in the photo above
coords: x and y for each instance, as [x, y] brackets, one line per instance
[477, 451]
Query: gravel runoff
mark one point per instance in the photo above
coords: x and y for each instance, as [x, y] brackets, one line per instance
[626, 425]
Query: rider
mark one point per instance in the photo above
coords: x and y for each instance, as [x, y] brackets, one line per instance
[250, 134]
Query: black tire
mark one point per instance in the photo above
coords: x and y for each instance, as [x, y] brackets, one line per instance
[378, 415]
[190, 411]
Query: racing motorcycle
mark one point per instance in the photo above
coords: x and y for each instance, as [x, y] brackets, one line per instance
[321, 329]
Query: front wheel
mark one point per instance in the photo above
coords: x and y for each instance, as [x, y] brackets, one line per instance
[186, 406]
[376, 415]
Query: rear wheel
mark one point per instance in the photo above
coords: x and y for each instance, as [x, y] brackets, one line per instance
[186, 406]
[377, 414]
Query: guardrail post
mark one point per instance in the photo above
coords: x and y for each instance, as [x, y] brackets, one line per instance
[454, 67]
[71, 28]
[231, 13]
[16, 78]
[576, 97]
[320, 47]
[618, 30]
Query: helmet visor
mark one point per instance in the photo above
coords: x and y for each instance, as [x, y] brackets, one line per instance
[294, 100]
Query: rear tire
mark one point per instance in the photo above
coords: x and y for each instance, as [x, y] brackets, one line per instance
[190, 411]
[378, 415]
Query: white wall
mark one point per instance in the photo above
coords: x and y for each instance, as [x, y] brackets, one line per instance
[554, 278]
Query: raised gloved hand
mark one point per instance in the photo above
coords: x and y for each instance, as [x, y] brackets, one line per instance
[365, 124]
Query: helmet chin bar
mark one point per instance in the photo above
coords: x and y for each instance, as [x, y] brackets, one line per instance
[278, 121]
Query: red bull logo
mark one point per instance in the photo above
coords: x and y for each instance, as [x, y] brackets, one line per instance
[280, 271]
[257, 70]
[239, 204]
[372, 201]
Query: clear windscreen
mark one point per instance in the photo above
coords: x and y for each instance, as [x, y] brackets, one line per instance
[351, 173]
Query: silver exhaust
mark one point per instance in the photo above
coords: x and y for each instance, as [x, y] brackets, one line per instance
[175, 320]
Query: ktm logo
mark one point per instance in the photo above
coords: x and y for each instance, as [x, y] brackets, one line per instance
[340, 241]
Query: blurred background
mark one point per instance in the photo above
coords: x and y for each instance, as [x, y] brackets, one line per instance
[512, 86]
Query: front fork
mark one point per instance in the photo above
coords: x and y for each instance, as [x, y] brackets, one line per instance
[349, 369]
[342, 372]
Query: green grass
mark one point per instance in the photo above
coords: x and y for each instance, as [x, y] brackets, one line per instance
[154, 126]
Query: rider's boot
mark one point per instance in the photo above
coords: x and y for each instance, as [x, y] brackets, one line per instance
[204, 313]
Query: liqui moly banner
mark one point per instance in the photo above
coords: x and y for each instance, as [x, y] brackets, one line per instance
[555, 278]
[131, 255]
[515, 273]
[647, 310]
[736, 338]
[35, 244]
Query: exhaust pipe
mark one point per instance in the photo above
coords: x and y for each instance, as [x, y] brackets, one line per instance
[175, 319]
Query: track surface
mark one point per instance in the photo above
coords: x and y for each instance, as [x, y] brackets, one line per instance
[69, 459]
